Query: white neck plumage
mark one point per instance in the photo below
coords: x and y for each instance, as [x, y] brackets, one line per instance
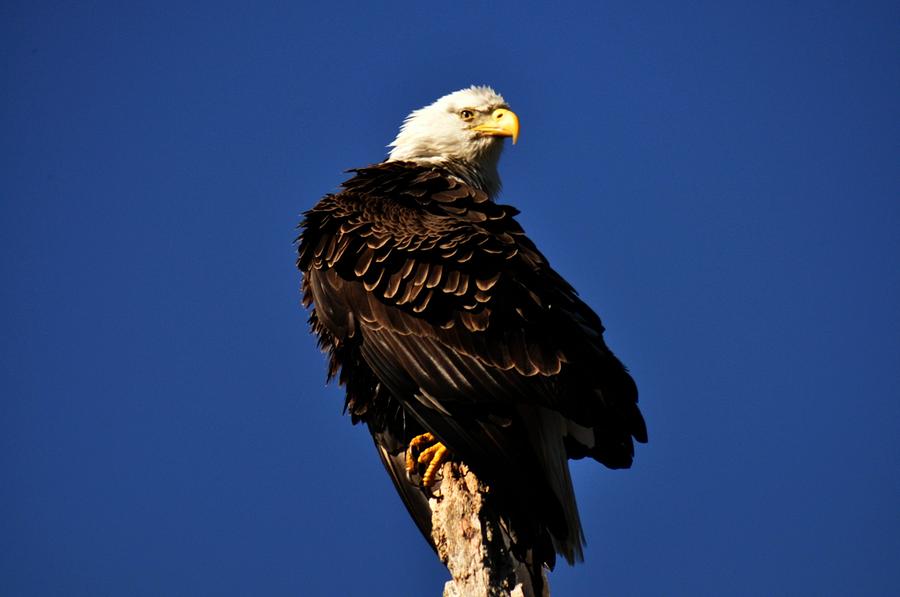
[480, 172]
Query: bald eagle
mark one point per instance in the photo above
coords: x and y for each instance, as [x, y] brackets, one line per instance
[453, 336]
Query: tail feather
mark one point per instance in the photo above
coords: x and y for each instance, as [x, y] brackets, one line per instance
[548, 429]
[393, 457]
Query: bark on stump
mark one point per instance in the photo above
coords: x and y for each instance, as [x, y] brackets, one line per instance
[470, 541]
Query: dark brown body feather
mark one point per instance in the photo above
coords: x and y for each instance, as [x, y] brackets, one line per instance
[439, 314]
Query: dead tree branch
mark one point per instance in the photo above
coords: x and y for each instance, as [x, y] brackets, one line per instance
[470, 541]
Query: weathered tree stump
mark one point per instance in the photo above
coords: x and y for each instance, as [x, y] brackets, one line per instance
[470, 541]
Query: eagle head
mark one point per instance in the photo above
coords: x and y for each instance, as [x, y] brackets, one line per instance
[463, 132]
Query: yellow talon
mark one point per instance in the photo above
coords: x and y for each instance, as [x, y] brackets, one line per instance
[414, 443]
[437, 454]
[433, 456]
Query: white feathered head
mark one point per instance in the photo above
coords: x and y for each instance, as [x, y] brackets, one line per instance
[464, 131]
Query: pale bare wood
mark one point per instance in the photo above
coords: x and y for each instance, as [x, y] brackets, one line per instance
[469, 539]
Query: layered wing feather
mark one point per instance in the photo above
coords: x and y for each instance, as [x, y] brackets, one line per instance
[430, 294]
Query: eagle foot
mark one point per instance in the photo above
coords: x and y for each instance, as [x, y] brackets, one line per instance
[431, 457]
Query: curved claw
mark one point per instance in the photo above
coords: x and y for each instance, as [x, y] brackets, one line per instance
[435, 456]
[431, 457]
[414, 445]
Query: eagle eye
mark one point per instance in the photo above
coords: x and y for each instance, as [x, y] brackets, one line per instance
[467, 114]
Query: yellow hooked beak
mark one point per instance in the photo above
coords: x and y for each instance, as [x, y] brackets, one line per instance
[501, 123]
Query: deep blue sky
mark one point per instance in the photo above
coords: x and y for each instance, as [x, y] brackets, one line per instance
[721, 182]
